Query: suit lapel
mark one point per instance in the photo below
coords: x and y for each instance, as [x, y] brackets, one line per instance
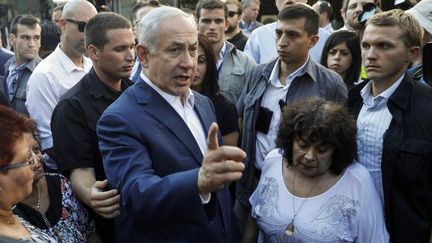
[160, 110]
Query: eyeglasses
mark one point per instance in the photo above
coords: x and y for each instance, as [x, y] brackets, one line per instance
[81, 25]
[232, 13]
[29, 161]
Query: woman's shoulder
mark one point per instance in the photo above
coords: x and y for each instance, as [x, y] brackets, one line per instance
[359, 175]
[272, 160]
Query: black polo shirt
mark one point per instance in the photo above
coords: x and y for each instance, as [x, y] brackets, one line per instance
[73, 126]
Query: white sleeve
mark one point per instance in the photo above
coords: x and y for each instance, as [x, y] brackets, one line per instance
[371, 225]
[41, 100]
[252, 47]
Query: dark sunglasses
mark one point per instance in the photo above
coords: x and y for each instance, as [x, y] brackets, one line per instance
[81, 25]
[232, 13]
[29, 161]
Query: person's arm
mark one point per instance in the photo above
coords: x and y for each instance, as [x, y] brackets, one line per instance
[251, 230]
[93, 193]
[147, 197]
[40, 103]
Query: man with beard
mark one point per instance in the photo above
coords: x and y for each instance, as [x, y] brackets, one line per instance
[61, 70]
[234, 34]
[25, 38]
[110, 45]
[350, 11]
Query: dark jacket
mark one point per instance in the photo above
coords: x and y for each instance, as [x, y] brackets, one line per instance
[317, 81]
[406, 160]
[17, 102]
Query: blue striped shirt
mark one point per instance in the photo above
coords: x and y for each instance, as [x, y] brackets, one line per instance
[372, 122]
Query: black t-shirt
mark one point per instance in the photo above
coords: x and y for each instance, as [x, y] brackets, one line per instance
[226, 115]
[73, 126]
[239, 41]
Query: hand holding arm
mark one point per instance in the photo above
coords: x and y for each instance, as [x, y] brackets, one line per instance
[91, 192]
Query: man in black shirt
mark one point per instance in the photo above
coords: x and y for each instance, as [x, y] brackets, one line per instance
[110, 45]
[233, 33]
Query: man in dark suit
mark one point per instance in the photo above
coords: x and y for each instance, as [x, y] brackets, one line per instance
[154, 149]
[394, 130]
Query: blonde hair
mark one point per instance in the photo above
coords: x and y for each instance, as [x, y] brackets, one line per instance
[413, 32]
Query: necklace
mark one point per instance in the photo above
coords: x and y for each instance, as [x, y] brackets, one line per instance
[8, 222]
[289, 230]
[37, 207]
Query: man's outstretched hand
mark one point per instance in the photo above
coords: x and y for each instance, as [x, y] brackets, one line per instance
[220, 166]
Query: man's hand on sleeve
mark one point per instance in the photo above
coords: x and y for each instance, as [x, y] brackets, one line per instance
[220, 166]
[104, 203]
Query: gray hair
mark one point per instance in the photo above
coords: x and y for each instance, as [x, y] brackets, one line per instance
[149, 26]
[247, 3]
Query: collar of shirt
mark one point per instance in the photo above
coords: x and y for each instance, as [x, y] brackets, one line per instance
[68, 64]
[370, 101]
[171, 99]
[221, 56]
[100, 89]
[274, 76]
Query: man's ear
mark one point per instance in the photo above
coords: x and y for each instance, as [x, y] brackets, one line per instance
[313, 39]
[143, 55]
[93, 52]
[12, 39]
[62, 24]
[414, 52]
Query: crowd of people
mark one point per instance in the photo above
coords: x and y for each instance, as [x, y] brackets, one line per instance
[207, 126]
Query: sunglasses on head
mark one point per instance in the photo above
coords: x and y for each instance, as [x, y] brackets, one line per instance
[232, 13]
[81, 25]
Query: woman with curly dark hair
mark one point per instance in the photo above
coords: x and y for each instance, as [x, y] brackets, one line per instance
[310, 190]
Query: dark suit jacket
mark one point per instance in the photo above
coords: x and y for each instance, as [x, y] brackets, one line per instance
[406, 160]
[152, 158]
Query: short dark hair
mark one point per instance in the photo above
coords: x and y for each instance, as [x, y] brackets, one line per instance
[50, 35]
[352, 41]
[95, 30]
[12, 126]
[298, 11]
[210, 4]
[318, 120]
[25, 19]
[325, 7]
[209, 86]
[236, 3]
[142, 4]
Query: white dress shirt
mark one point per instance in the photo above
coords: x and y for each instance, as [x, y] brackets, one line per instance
[186, 111]
[274, 92]
[51, 78]
[261, 45]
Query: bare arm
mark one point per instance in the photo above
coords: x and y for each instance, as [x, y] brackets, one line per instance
[251, 230]
[93, 194]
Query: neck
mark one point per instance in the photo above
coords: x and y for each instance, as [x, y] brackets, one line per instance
[6, 216]
[217, 47]
[286, 69]
[19, 61]
[230, 35]
[379, 86]
[247, 21]
[77, 58]
[114, 83]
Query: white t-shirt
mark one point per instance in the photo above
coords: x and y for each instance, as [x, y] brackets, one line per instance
[350, 211]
